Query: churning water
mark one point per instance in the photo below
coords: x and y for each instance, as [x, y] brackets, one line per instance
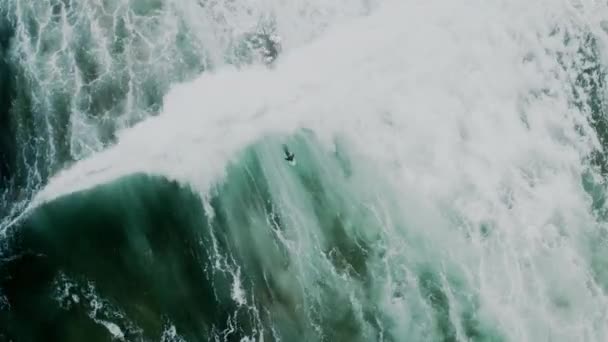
[449, 183]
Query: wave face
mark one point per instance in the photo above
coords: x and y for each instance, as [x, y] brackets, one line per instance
[448, 183]
[274, 253]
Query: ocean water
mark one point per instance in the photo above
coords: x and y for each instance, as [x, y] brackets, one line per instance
[449, 182]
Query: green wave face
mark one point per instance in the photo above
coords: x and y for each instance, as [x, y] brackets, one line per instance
[277, 251]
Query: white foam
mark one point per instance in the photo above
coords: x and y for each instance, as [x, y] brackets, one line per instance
[446, 99]
[113, 329]
[430, 70]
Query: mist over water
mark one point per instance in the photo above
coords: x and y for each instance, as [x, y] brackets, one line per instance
[449, 182]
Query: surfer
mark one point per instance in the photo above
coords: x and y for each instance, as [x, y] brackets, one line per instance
[289, 156]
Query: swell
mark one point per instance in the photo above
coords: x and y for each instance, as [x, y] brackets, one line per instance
[142, 251]
[273, 252]
[136, 240]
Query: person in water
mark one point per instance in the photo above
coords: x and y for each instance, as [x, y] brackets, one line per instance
[289, 156]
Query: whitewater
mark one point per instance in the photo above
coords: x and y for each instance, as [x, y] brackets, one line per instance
[447, 186]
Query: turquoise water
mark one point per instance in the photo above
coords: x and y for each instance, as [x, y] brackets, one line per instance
[449, 182]
[144, 255]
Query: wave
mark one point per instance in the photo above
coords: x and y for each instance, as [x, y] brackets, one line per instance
[274, 252]
[449, 186]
